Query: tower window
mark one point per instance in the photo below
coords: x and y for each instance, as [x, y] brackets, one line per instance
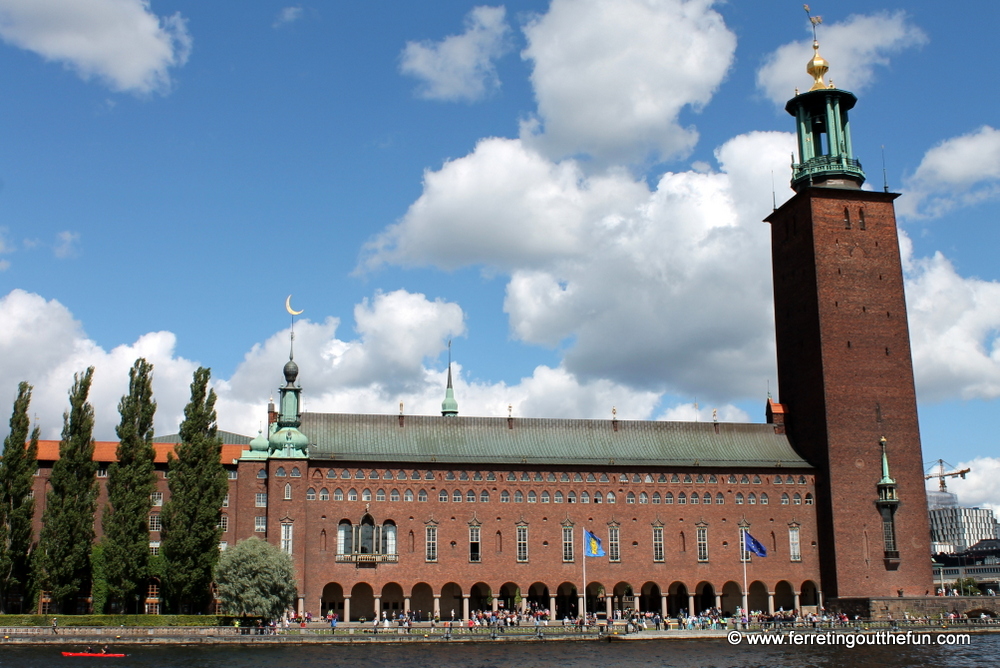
[847, 218]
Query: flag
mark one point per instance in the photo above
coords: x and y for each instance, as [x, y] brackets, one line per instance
[592, 546]
[751, 544]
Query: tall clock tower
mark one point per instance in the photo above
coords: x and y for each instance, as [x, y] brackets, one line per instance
[845, 374]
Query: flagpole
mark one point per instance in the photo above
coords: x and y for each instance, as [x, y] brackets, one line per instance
[584, 557]
[743, 558]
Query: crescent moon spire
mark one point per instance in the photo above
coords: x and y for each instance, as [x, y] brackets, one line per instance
[288, 306]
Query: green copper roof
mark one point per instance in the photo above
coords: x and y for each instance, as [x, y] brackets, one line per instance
[467, 440]
[228, 438]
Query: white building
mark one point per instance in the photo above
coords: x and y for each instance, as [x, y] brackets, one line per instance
[962, 527]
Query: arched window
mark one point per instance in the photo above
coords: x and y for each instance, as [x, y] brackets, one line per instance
[288, 491]
[598, 498]
[373, 475]
[518, 497]
[456, 496]
[359, 475]
[707, 498]
[643, 497]
[719, 499]
[380, 494]
[280, 473]
[310, 494]
[324, 494]
[763, 498]
[345, 538]
[332, 473]
[422, 495]
[559, 497]
[784, 499]
[752, 499]
[545, 497]
[744, 480]
[756, 480]
[797, 499]
[712, 479]
[694, 498]
[739, 498]
[571, 497]
[802, 480]
[345, 474]
[352, 494]
[732, 479]
[668, 498]
[532, 497]
[443, 496]
[389, 538]
[366, 535]
[630, 497]
[484, 496]
[809, 499]
[777, 480]
[296, 473]
[470, 496]
[394, 495]
[656, 498]
[387, 475]
[682, 498]
[408, 495]
[338, 494]
[261, 474]
[611, 497]
[584, 497]
[504, 496]
[366, 494]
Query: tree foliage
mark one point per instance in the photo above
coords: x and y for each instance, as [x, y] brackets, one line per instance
[256, 579]
[131, 483]
[17, 505]
[198, 485]
[62, 560]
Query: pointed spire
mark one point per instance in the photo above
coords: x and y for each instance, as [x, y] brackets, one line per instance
[886, 479]
[449, 407]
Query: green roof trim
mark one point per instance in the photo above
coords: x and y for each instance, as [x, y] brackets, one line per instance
[228, 438]
[506, 441]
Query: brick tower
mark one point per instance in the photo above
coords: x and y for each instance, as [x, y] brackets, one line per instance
[845, 374]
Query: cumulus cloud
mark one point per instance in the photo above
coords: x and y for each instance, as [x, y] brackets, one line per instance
[854, 48]
[960, 171]
[120, 42]
[663, 288]
[611, 79]
[287, 15]
[66, 244]
[460, 67]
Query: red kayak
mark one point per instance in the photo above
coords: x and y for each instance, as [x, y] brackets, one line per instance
[89, 654]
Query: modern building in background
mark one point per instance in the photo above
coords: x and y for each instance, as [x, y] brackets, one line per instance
[961, 528]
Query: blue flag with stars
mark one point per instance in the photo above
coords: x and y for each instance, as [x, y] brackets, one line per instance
[751, 544]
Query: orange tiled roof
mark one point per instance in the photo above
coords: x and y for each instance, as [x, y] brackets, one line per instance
[104, 451]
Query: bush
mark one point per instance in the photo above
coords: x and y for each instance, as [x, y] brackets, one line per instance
[110, 620]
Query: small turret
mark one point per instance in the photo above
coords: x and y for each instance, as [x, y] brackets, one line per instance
[449, 407]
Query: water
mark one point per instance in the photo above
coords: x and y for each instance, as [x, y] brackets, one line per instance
[714, 653]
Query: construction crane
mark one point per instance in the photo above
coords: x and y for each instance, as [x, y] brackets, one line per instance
[941, 475]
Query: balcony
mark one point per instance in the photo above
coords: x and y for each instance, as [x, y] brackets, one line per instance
[367, 559]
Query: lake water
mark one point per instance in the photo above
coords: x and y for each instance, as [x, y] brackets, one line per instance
[681, 653]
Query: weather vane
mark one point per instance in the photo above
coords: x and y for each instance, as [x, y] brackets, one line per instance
[814, 20]
[293, 313]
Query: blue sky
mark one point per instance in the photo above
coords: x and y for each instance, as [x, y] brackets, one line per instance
[570, 191]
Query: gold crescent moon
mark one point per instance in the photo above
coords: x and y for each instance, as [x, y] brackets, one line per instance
[288, 306]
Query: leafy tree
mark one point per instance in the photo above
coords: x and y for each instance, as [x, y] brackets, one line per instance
[198, 484]
[17, 506]
[99, 577]
[256, 579]
[131, 483]
[62, 560]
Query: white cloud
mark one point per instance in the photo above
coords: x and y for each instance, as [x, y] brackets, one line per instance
[66, 244]
[662, 289]
[960, 171]
[954, 325]
[611, 79]
[287, 15]
[978, 488]
[854, 48]
[460, 67]
[120, 42]
[695, 413]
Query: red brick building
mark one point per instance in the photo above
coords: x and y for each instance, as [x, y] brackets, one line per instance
[447, 514]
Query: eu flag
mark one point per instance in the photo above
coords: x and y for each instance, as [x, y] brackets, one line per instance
[593, 546]
[751, 544]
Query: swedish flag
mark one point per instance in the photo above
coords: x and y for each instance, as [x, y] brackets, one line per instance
[593, 547]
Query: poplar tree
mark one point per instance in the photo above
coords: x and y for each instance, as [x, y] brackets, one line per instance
[62, 560]
[17, 505]
[198, 484]
[131, 483]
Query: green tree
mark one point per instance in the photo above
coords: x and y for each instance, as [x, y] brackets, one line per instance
[62, 560]
[17, 505]
[198, 483]
[131, 483]
[256, 579]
